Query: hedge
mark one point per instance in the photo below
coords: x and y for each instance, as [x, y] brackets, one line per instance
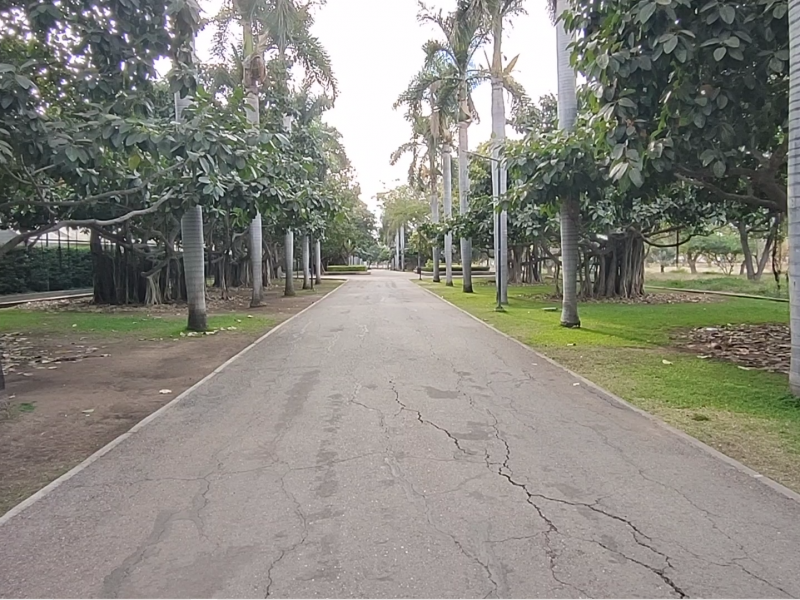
[457, 268]
[38, 269]
[346, 268]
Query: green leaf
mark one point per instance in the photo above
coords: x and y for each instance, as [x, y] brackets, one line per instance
[670, 44]
[134, 160]
[719, 169]
[720, 53]
[727, 13]
[602, 61]
[636, 177]
[646, 12]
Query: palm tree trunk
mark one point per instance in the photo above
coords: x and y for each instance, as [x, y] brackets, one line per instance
[252, 112]
[434, 211]
[402, 247]
[794, 193]
[194, 266]
[194, 263]
[570, 207]
[318, 261]
[306, 263]
[499, 138]
[289, 251]
[463, 202]
[447, 175]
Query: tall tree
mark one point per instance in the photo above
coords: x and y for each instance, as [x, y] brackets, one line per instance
[570, 205]
[462, 36]
[794, 192]
[496, 12]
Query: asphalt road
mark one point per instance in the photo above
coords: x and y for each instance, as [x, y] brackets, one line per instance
[383, 444]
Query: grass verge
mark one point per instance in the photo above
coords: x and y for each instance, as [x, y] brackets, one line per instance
[626, 349]
[721, 283]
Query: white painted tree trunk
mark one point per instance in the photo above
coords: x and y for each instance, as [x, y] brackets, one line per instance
[434, 200]
[318, 261]
[194, 262]
[289, 251]
[306, 263]
[570, 207]
[447, 175]
[794, 193]
[498, 141]
[194, 267]
[463, 201]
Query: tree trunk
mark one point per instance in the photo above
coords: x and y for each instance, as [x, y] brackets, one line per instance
[318, 261]
[771, 240]
[434, 200]
[691, 258]
[463, 201]
[794, 192]
[256, 261]
[570, 208]
[194, 267]
[306, 264]
[289, 252]
[447, 176]
[498, 142]
[402, 247]
[748, 254]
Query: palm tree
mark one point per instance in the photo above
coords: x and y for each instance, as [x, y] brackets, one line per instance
[570, 208]
[422, 146]
[496, 12]
[281, 28]
[463, 35]
[794, 192]
[194, 261]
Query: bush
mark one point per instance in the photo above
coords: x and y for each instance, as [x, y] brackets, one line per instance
[346, 268]
[38, 269]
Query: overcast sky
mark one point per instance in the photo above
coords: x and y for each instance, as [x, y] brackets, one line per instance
[375, 47]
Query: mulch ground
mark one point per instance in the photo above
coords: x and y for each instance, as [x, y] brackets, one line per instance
[659, 298]
[766, 347]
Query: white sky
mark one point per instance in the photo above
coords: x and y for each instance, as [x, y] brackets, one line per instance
[375, 47]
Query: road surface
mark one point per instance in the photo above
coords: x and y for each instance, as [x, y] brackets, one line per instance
[383, 444]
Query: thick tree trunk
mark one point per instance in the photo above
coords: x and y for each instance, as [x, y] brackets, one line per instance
[447, 176]
[194, 267]
[434, 200]
[569, 262]
[402, 247]
[289, 264]
[570, 209]
[463, 199]
[318, 261]
[256, 261]
[306, 264]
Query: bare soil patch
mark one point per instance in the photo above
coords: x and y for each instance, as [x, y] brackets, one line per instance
[765, 347]
[71, 395]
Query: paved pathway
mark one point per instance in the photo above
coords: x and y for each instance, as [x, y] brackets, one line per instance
[383, 444]
[8, 300]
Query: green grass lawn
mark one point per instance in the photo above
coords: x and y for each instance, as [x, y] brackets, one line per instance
[749, 415]
[716, 282]
[119, 324]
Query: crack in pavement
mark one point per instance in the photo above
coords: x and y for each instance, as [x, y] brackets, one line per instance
[303, 537]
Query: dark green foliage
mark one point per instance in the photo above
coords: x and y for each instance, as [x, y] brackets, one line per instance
[38, 269]
[346, 268]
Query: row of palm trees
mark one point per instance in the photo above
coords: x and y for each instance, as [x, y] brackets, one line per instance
[444, 87]
[281, 28]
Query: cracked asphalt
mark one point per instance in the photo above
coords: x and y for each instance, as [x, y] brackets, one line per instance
[384, 445]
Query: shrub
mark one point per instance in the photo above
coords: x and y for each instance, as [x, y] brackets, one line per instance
[346, 268]
[457, 268]
[38, 269]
